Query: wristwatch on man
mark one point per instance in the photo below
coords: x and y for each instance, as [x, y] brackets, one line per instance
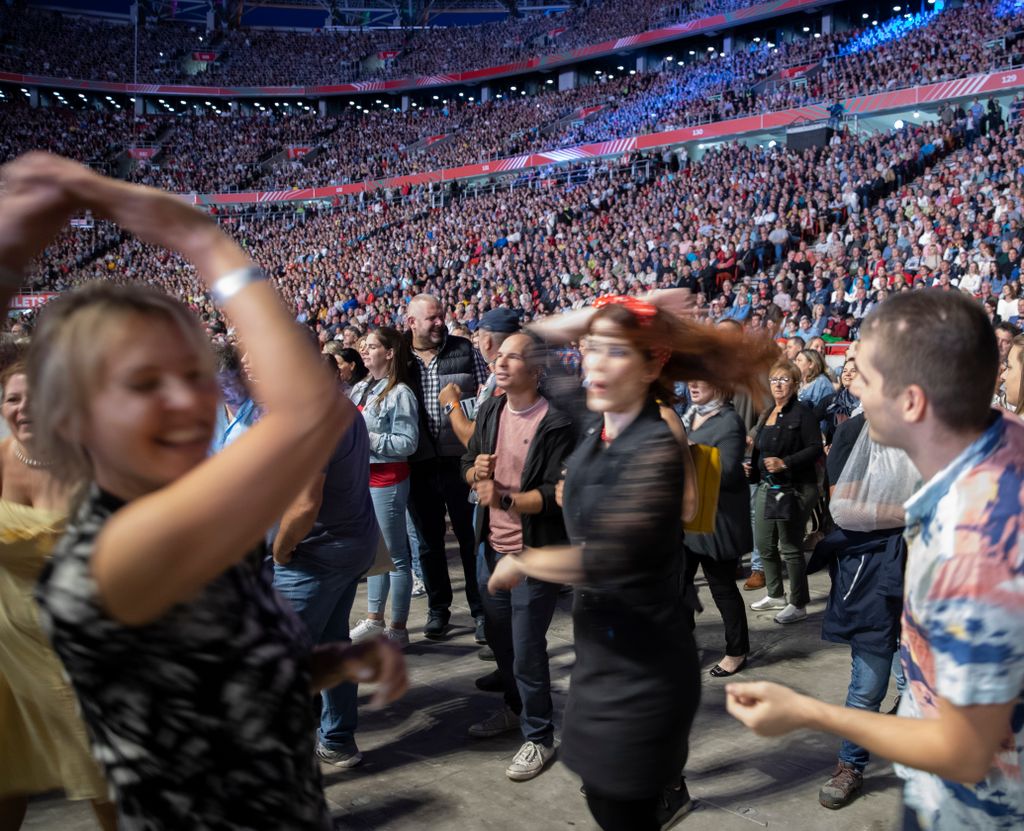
[506, 503]
[448, 408]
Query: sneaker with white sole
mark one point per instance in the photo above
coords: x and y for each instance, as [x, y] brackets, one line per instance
[400, 637]
[529, 761]
[366, 629]
[767, 603]
[418, 588]
[791, 614]
[498, 722]
[347, 756]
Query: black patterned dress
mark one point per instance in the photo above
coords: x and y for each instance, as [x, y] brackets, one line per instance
[202, 719]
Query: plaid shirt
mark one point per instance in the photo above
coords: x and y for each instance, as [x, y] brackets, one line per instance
[431, 386]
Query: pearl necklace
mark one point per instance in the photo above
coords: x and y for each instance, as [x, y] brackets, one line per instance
[28, 460]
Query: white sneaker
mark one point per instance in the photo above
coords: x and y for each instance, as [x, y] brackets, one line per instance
[791, 614]
[399, 636]
[418, 589]
[366, 629]
[529, 761]
[766, 603]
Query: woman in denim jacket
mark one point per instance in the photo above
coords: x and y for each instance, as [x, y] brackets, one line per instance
[391, 414]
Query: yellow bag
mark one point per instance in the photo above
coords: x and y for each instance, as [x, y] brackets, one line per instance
[708, 463]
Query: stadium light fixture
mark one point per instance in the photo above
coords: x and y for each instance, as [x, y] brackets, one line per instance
[898, 124]
[471, 98]
[897, 8]
[621, 68]
[514, 89]
[874, 22]
[711, 48]
[807, 28]
[632, 72]
[552, 80]
[917, 114]
[865, 16]
[772, 143]
[208, 104]
[670, 58]
[159, 101]
[462, 95]
[817, 34]
[435, 97]
[757, 40]
[597, 72]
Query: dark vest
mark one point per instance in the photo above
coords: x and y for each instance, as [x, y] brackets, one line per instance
[455, 365]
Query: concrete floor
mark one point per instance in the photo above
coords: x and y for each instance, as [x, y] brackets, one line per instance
[421, 771]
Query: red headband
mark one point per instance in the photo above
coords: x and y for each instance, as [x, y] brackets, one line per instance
[640, 309]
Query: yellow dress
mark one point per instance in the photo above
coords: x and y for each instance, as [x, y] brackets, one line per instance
[43, 743]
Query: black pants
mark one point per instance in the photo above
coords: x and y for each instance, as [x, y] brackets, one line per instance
[436, 485]
[721, 576]
[623, 814]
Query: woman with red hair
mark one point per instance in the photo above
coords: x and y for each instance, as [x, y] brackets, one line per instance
[622, 501]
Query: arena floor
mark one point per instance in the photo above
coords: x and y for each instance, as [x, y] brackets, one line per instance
[421, 771]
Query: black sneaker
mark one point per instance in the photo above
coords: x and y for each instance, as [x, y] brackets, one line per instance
[437, 626]
[490, 682]
[479, 636]
[674, 805]
[486, 654]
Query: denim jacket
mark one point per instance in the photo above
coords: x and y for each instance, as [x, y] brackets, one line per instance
[393, 422]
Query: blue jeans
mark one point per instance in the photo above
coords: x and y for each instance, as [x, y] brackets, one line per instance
[414, 545]
[516, 623]
[323, 599]
[869, 682]
[389, 505]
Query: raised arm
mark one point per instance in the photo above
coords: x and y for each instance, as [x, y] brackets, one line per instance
[163, 548]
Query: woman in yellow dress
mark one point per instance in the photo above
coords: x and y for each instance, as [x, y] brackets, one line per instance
[43, 743]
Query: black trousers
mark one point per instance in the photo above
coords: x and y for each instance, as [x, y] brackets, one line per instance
[623, 814]
[721, 577]
[436, 486]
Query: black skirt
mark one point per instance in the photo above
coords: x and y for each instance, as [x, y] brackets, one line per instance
[634, 693]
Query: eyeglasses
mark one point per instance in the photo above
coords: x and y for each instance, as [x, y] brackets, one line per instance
[778, 382]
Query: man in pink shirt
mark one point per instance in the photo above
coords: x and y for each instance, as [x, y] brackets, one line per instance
[514, 461]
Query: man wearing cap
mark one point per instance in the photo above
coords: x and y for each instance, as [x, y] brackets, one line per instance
[494, 327]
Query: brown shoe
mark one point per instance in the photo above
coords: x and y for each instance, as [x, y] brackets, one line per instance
[754, 581]
[842, 788]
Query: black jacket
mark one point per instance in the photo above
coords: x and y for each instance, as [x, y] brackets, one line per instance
[551, 445]
[797, 441]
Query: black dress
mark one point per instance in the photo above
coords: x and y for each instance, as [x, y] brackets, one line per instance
[636, 682]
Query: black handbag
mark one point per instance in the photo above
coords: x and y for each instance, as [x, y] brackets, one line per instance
[779, 503]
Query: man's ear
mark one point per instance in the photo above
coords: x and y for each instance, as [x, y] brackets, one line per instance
[913, 404]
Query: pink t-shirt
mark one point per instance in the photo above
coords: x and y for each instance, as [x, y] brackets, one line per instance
[515, 432]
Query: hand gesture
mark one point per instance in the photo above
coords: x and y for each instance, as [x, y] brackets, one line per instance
[375, 661]
[483, 467]
[506, 575]
[487, 493]
[451, 394]
[773, 464]
[766, 708]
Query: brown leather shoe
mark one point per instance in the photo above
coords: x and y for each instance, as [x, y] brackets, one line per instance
[754, 581]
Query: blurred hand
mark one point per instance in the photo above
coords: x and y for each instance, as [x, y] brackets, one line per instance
[451, 394]
[747, 469]
[487, 493]
[484, 466]
[506, 575]
[766, 708]
[679, 302]
[773, 464]
[376, 661]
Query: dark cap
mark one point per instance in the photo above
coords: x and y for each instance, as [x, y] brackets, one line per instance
[500, 321]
